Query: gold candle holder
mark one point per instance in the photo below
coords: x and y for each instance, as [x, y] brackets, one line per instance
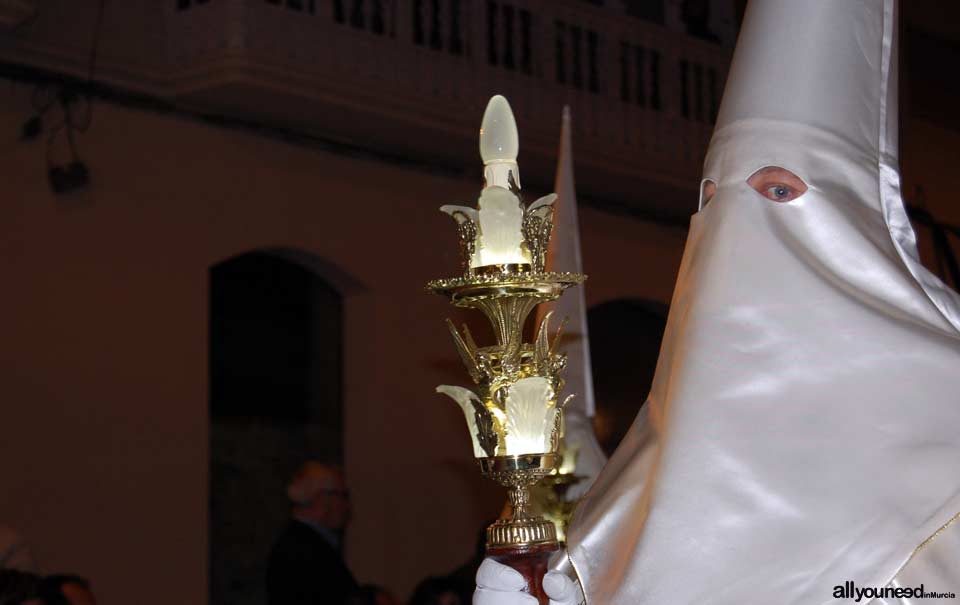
[515, 414]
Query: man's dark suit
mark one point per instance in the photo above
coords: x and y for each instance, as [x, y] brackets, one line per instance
[305, 569]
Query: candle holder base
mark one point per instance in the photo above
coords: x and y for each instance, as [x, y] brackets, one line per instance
[522, 529]
[521, 533]
[530, 561]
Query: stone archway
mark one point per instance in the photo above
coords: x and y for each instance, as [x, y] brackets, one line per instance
[625, 336]
[276, 367]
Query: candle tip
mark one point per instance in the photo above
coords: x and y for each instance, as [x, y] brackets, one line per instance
[499, 140]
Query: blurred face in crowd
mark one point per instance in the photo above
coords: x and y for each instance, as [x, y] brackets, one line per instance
[384, 598]
[448, 598]
[333, 502]
[77, 594]
[320, 495]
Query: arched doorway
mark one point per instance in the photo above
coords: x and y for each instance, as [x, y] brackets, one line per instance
[625, 338]
[275, 400]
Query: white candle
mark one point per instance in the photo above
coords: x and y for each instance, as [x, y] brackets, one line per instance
[500, 216]
[499, 144]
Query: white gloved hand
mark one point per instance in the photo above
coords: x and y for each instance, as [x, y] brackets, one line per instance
[499, 584]
[561, 589]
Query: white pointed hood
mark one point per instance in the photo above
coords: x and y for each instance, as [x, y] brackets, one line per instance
[802, 429]
[565, 255]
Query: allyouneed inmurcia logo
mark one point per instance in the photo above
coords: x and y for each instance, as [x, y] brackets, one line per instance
[848, 590]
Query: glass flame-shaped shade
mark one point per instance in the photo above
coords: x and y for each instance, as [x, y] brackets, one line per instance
[527, 424]
[465, 398]
[530, 416]
[499, 140]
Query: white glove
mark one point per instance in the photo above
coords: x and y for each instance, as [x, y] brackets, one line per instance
[561, 589]
[499, 584]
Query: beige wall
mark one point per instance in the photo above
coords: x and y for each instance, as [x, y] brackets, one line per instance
[104, 342]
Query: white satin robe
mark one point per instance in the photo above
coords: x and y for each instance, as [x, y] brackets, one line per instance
[803, 428]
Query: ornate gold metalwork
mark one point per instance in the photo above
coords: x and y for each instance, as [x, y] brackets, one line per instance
[505, 279]
[549, 496]
[513, 377]
[517, 474]
[537, 226]
[467, 230]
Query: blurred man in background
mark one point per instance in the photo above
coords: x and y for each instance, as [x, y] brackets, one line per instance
[14, 552]
[306, 566]
[24, 588]
[62, 589]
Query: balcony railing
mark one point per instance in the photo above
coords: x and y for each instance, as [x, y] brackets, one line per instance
[643, 97]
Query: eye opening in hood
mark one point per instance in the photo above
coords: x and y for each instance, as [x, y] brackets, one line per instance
[708, 188]
[777, 184]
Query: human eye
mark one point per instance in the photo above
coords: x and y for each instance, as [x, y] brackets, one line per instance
[779, 193]
[777, 184]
